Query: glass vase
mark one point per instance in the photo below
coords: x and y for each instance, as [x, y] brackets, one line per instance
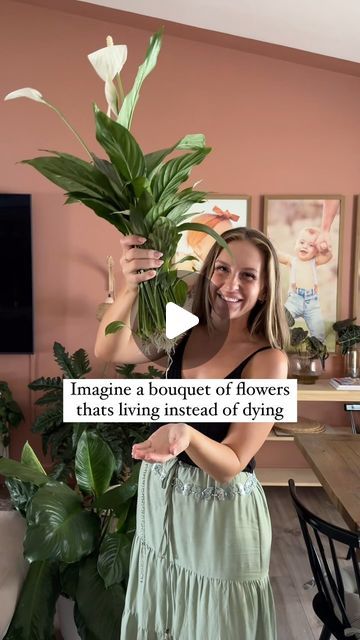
[352, 362]
[306, 370]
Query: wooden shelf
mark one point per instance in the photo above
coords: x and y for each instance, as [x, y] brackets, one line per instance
[276, 477]
[323, 391]
[329, 429]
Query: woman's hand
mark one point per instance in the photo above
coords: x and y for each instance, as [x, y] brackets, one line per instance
[134, 259]
[163, 445]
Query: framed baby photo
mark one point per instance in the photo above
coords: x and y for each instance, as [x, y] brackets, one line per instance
[219, 212]
[307, 234]
[356, 268]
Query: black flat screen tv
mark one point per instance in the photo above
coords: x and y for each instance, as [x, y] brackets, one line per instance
[16, 290]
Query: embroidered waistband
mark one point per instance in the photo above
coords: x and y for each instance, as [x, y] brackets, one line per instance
[208, 493]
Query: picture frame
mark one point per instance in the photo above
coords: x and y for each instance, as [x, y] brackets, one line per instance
[356, 266]
[219, 211]
[306, 231]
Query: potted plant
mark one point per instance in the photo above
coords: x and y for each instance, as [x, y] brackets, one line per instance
[138, 193]
[77, 541]
[307, 355]
[90, 492]
[10, 416]
[348, 338]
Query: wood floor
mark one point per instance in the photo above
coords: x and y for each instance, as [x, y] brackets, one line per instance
[289, 568]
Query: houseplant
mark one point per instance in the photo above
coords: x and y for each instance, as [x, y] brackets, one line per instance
[348, 338]
[60, 439]
[10, 414]
[77, 542]
[139, 193]
[307, 355]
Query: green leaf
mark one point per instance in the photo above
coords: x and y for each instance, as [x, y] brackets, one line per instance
[190, 142]
[109, 170]
[34, 614]
[94, 464]
[46, 384]
[113, 327]
[175, 172]
[21, 493]
[58, 526]
[74, 175]
[14, 469]
[195, 226]
[64, 360]
[127, 110]
[30, 459]
[47, 421]
[69, 578]
[114, 558]
[121, 147]
[52, 397]
[91, 598]
[81, 363]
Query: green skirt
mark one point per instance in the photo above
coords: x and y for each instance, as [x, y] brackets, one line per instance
[200, 558]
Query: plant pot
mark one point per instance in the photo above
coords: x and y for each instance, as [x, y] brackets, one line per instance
[306, 370]
[65, 612]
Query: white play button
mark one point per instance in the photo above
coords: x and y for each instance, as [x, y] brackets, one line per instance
[178, 320]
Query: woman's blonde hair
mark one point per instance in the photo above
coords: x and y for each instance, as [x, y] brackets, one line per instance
[267, 318]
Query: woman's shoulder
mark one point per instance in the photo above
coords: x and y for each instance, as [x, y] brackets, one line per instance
[268, 362]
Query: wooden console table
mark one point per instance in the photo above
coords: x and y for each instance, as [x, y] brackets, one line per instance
[321, 391]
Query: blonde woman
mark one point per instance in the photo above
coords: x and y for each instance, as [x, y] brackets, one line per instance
[200, 557]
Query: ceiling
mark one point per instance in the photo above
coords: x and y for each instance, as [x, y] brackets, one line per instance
[325, 27]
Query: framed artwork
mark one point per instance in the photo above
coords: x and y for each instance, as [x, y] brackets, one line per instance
[356, 269]
[220, 212]
[307, 234]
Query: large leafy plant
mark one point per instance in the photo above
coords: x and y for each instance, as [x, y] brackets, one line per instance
[60, 439]
[139, 193]
[77, 540]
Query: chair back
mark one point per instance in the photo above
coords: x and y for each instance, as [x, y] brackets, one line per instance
[320, 538]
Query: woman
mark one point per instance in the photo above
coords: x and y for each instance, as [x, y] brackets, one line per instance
[200, 558]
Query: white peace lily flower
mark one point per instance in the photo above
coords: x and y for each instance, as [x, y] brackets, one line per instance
[109, 61]
[26, 92]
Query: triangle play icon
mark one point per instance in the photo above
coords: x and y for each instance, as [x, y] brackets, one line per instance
[178, 320]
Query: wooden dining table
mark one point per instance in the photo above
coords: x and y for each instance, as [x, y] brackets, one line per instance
[335, 460]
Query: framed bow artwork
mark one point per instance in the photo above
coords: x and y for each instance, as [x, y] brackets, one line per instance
[220, 212]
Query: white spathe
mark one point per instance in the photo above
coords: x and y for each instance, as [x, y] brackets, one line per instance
[26, 92]
[109, 61]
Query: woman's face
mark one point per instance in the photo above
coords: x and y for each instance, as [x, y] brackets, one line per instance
[237, 281]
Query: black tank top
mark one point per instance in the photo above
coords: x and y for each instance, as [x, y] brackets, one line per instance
[215, 430]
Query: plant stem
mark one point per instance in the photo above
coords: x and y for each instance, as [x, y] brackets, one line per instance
[77, 135]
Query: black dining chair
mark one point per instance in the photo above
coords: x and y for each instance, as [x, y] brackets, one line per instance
[337, 601]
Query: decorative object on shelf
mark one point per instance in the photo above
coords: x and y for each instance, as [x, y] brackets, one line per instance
[345, 384]
[137, 193]
[110, 298]
[307, 234]
[10, 416]
[303, 425]
[356, 264]
[307, 359]
[348, 338]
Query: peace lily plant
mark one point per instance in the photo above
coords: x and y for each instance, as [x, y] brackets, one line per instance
[139, 193]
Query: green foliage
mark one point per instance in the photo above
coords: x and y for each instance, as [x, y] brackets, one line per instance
[347, 334]
[76, 542]
[10, 413]
[303, 344]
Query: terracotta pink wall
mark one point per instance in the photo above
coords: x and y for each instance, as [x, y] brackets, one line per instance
[275, 127]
